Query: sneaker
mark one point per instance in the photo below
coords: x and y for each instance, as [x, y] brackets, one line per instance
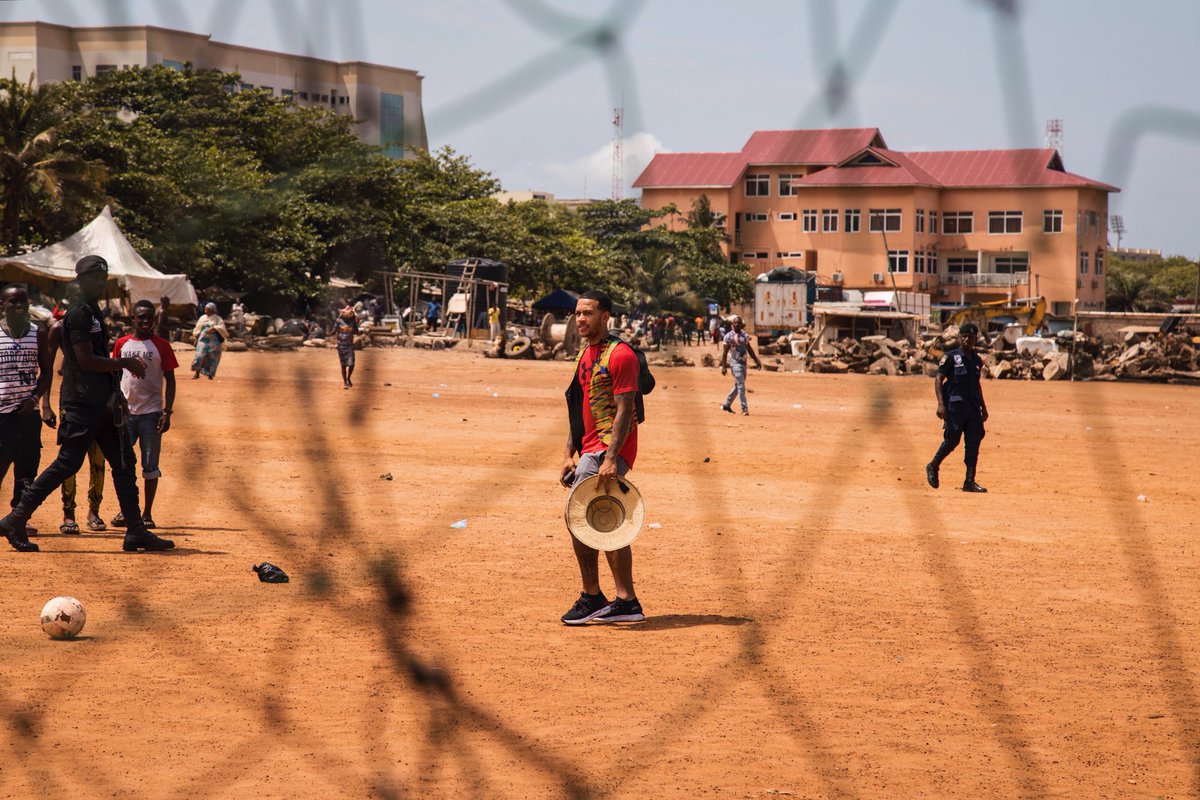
[726, 408]
[931, 475]
[585, 608]
[119, 520]
[621, 611]
[146, 541]
[17, 538]
[745, 413]
[972, 486]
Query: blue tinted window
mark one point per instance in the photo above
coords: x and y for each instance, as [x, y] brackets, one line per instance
[391, 124]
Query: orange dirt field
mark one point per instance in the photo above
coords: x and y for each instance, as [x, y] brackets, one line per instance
[820, 622]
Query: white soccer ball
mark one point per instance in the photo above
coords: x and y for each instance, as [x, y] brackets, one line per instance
[63, 618]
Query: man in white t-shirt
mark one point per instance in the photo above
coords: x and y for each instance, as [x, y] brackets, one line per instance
[148, 418]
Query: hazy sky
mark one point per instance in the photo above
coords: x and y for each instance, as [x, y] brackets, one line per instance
[527, 88]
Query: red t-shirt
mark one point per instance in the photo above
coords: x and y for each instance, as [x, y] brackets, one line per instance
[623, 367]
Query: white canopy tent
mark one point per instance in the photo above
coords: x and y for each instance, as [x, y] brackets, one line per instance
[102, 237]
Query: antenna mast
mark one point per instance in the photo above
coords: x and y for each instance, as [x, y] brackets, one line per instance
[618, 171]
[1054, 134]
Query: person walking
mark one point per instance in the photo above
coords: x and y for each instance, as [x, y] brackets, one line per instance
[24, 381]
[602, 413]
[736, 345]
[93, 410]
[210, 335]
[960, 406]
[433, 311]
[149, 415]
[95, 458]
[346, 328]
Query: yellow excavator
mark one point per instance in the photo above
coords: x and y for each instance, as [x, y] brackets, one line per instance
[1027, 312]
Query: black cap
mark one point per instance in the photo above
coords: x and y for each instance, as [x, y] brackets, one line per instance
[90, 264]
[968, 329]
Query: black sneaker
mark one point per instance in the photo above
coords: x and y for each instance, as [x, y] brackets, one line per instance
[621, 611]
[585, 608]
[931, 475]
[17, 538]
[726, 408]
[972, 486]
[146, 541]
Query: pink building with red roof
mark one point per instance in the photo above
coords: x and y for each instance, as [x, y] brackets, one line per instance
[965, 226]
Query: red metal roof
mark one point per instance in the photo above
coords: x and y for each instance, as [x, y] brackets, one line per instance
[829, 146]
[692, 169]
[903, 171]
[1039, 167]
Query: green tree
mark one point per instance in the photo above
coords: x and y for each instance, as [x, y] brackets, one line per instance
[37, 176]
[1130, 288]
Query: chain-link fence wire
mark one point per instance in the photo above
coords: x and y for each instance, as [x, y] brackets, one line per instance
[448, 713]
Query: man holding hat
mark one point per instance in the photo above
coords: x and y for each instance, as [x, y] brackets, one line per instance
[93, 410]
[601, 403]
[960, 406]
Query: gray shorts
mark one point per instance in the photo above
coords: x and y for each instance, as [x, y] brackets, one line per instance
[589, 465]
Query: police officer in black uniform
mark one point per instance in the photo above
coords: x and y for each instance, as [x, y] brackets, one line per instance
[960, 406]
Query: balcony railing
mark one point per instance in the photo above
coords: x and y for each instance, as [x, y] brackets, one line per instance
[986, 279]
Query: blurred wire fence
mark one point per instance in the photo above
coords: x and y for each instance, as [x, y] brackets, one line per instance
[595, 38]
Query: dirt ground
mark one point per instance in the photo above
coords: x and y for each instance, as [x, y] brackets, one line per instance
[820, 622]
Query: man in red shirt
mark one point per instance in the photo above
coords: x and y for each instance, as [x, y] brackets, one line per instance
[603, 419]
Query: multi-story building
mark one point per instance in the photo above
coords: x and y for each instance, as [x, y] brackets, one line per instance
[965, 226]
[385, 100]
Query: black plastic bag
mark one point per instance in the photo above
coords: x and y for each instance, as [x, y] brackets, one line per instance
[269, 573]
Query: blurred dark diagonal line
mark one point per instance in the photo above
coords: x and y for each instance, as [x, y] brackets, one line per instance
[1138, 123]
[1016, 89]
[838, 86]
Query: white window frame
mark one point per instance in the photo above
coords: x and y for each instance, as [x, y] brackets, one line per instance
[760, 181]
[755, 216]
[919, 262]
[933, 223]
[1052, 221]
[889, 220]
[1099, 265]
[853, 220]
[1013, 264]
[787, 216]
[898, 261]
[958, 265]
[808, 219]
[829, 220]
[786, 189]
[1010, 223]
[920, 221]
[1083, 262]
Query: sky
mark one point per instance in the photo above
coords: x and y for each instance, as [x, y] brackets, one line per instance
[526, 88]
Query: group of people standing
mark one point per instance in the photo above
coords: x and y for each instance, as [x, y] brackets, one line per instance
[111, 398]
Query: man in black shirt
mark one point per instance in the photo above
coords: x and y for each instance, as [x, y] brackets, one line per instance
[960, 405]
[93, 409]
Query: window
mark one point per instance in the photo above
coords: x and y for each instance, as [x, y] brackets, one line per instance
[958, 222]
[304, 95]
[853, 220]
[756, 217]
[1007, 265]
[324, 98]
[1083, 263]
[931, 262]
[785, 184]
[920, 224]
[960, 266]
[285, 92]
[268, 89]
[245, 87]
[1051, 221]
[919, 261]
[787, 216]
[883, 219]
[933, 222]
[1004, 222]
[76, 73]
[1099, 262]
[391, 123]
[758, 185]
[759, 255]
[809, 217]
[175, 65]
[1093, 222]
[104, 69]
[897, 261]
[829, 220]
[793, 254]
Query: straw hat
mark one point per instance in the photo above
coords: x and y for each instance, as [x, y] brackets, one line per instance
[605, 521]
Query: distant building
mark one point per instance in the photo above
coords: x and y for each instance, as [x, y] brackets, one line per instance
[965, 226]
[1136, 255]
[386, 99]
[572, 203]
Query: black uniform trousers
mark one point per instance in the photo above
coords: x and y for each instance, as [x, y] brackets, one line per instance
[79, 426]
[21, 449]
[962, 420]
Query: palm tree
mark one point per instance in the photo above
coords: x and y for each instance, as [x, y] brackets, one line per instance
[656, 281]
[1128, 290]
[33, 169]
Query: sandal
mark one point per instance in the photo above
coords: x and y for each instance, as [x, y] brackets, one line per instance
[148, 523]
[69, 528]
[119, 520]
[94, 523]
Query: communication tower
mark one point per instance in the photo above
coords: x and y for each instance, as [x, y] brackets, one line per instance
[1054, 134]
[618, 169]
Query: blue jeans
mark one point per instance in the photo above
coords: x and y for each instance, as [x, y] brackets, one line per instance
[142, 430]
[739, 385]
